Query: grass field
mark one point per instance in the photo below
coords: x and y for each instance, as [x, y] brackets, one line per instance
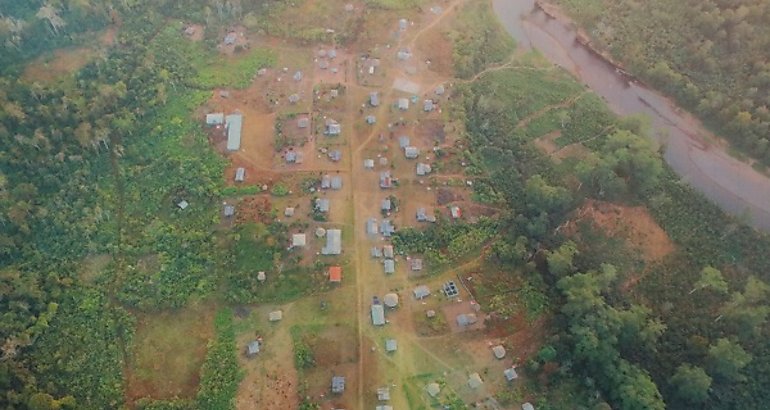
[167, 353]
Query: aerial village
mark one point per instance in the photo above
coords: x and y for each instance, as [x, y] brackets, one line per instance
[347, 148]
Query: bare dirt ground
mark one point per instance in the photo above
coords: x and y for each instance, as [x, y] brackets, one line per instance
[51, 67]
[634, 224]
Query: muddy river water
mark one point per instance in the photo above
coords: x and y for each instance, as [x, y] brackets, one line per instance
[703, 163]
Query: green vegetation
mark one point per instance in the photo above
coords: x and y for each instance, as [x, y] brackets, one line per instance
[220, 374]
[710, 55]
[303, 353]
[477, 45]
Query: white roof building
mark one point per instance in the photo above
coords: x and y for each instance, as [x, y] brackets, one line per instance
[333, 242]
[403, 104]
[234, 122]
[298, 240]
[378, 315]
[216, 118]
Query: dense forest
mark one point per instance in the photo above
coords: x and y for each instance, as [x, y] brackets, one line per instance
[712, 55]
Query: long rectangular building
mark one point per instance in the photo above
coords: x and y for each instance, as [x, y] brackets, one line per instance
[234, 124]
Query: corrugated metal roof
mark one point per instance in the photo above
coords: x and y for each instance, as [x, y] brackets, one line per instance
[234, 124]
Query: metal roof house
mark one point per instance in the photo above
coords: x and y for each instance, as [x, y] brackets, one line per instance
[416, 264]
[234, 122]
[391, 345]
[402, 24]
[510, 374]
[229, 210]
[403, 104]
[411, 152]
[466, 319]
[332, 127]
[387, 228]
[387, 251]
[369, 163]
[385, 180]
[389, 265]
[322, 205]
[298, 240]
[527, 406]
[216, 118]
[499, 352]
[403, 141]
[422, 216]
[253, 348]
[303, 122]
[335, 274]
[378, 315]
[326, 182]
[421, 292]
[374, 99]
[275, 316]
[423, 169]
[455, 211]
[333, 242]
[183, 204]
[240, 174]
[474, 381]
[335, 155]
[371, 119]
[336, 182]
[385, 205]
[291, 157]
[427, 106]
[371, 226]
[338, 384]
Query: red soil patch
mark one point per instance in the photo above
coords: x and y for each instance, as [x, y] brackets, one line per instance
[634, 224]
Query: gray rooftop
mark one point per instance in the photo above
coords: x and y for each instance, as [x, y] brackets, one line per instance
[322, 204]
[389, 265]
[240, 174]
[338, 384]
[333, 242]
[234, 123]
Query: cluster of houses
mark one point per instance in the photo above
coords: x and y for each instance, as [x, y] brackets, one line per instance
[233, 124]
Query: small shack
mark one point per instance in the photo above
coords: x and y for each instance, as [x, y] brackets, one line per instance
[416, 264]
[385, 205]
[387, 228]
[383, 394]
[391, 345]
[371, 119]
[390, 300]
[216, 118]
[389, 265]
[253, 348]
[403, 142]
[386, 181]
[378, 314]
[333, 128]
[466, 319]
[229, 210]
[298, 240]
[527, 406]
[371, 226]
[240, 174]
[374, 99]
[403, 104]
[411, 152]
[288, 212]
[433, 389]
[326, 182]
[335, 274]
[421, 292]
[322, 205]
[275, 316]
[368, 163]
[423, 169]
[338, 384]
[510, 374]
[456, 212]
[427, 105]
[183, 204]
[336, 182]
[474, 381]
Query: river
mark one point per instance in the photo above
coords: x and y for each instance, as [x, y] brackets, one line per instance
[730, 183]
